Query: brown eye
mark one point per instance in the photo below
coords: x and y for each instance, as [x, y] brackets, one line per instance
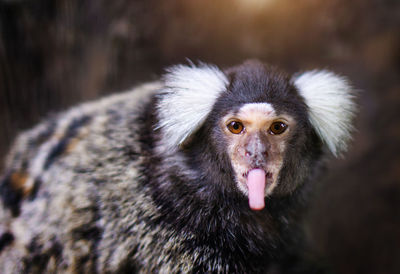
[235, 127]
[277, 128]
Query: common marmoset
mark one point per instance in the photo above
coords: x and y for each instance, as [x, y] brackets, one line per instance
[206, 170]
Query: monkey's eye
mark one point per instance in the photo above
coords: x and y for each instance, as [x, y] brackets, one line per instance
[277, 128]
[235, 127]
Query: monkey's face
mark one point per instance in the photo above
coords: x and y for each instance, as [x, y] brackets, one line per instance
[263, 128]
[257, 138]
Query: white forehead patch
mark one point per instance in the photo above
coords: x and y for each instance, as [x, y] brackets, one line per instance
[262, 108]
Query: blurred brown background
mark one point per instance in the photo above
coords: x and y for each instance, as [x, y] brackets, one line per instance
[54, 54]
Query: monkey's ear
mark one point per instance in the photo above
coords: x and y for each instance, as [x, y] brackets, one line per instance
[331, 107]
[186, 100]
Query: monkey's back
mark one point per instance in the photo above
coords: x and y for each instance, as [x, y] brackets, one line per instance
[71, 197]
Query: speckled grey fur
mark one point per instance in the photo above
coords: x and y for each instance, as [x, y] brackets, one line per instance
[77, 196]
[103, 188]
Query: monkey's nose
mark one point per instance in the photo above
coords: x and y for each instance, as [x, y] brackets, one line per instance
[258, 154]
[255, 148]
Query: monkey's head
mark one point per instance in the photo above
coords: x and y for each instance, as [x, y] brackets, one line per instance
[265, 129]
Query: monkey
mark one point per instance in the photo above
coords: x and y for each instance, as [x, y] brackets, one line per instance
[205, 170]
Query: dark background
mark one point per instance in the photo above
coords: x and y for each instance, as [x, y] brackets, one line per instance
[54, 54]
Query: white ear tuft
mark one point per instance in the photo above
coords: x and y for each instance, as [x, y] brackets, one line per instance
[331, 107]
[188, 97]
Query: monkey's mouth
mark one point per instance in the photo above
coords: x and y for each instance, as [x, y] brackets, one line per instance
[268, 175]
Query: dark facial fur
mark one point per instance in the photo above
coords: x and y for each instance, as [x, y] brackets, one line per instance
[105, 187]
[253, 82]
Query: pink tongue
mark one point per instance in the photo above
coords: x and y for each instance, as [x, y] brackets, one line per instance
[256, 185]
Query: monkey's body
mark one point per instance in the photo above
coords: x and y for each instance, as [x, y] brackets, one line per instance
[102, 188]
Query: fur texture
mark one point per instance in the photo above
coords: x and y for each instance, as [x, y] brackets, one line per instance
[331, 107]
[188, 97]
[143, 181]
